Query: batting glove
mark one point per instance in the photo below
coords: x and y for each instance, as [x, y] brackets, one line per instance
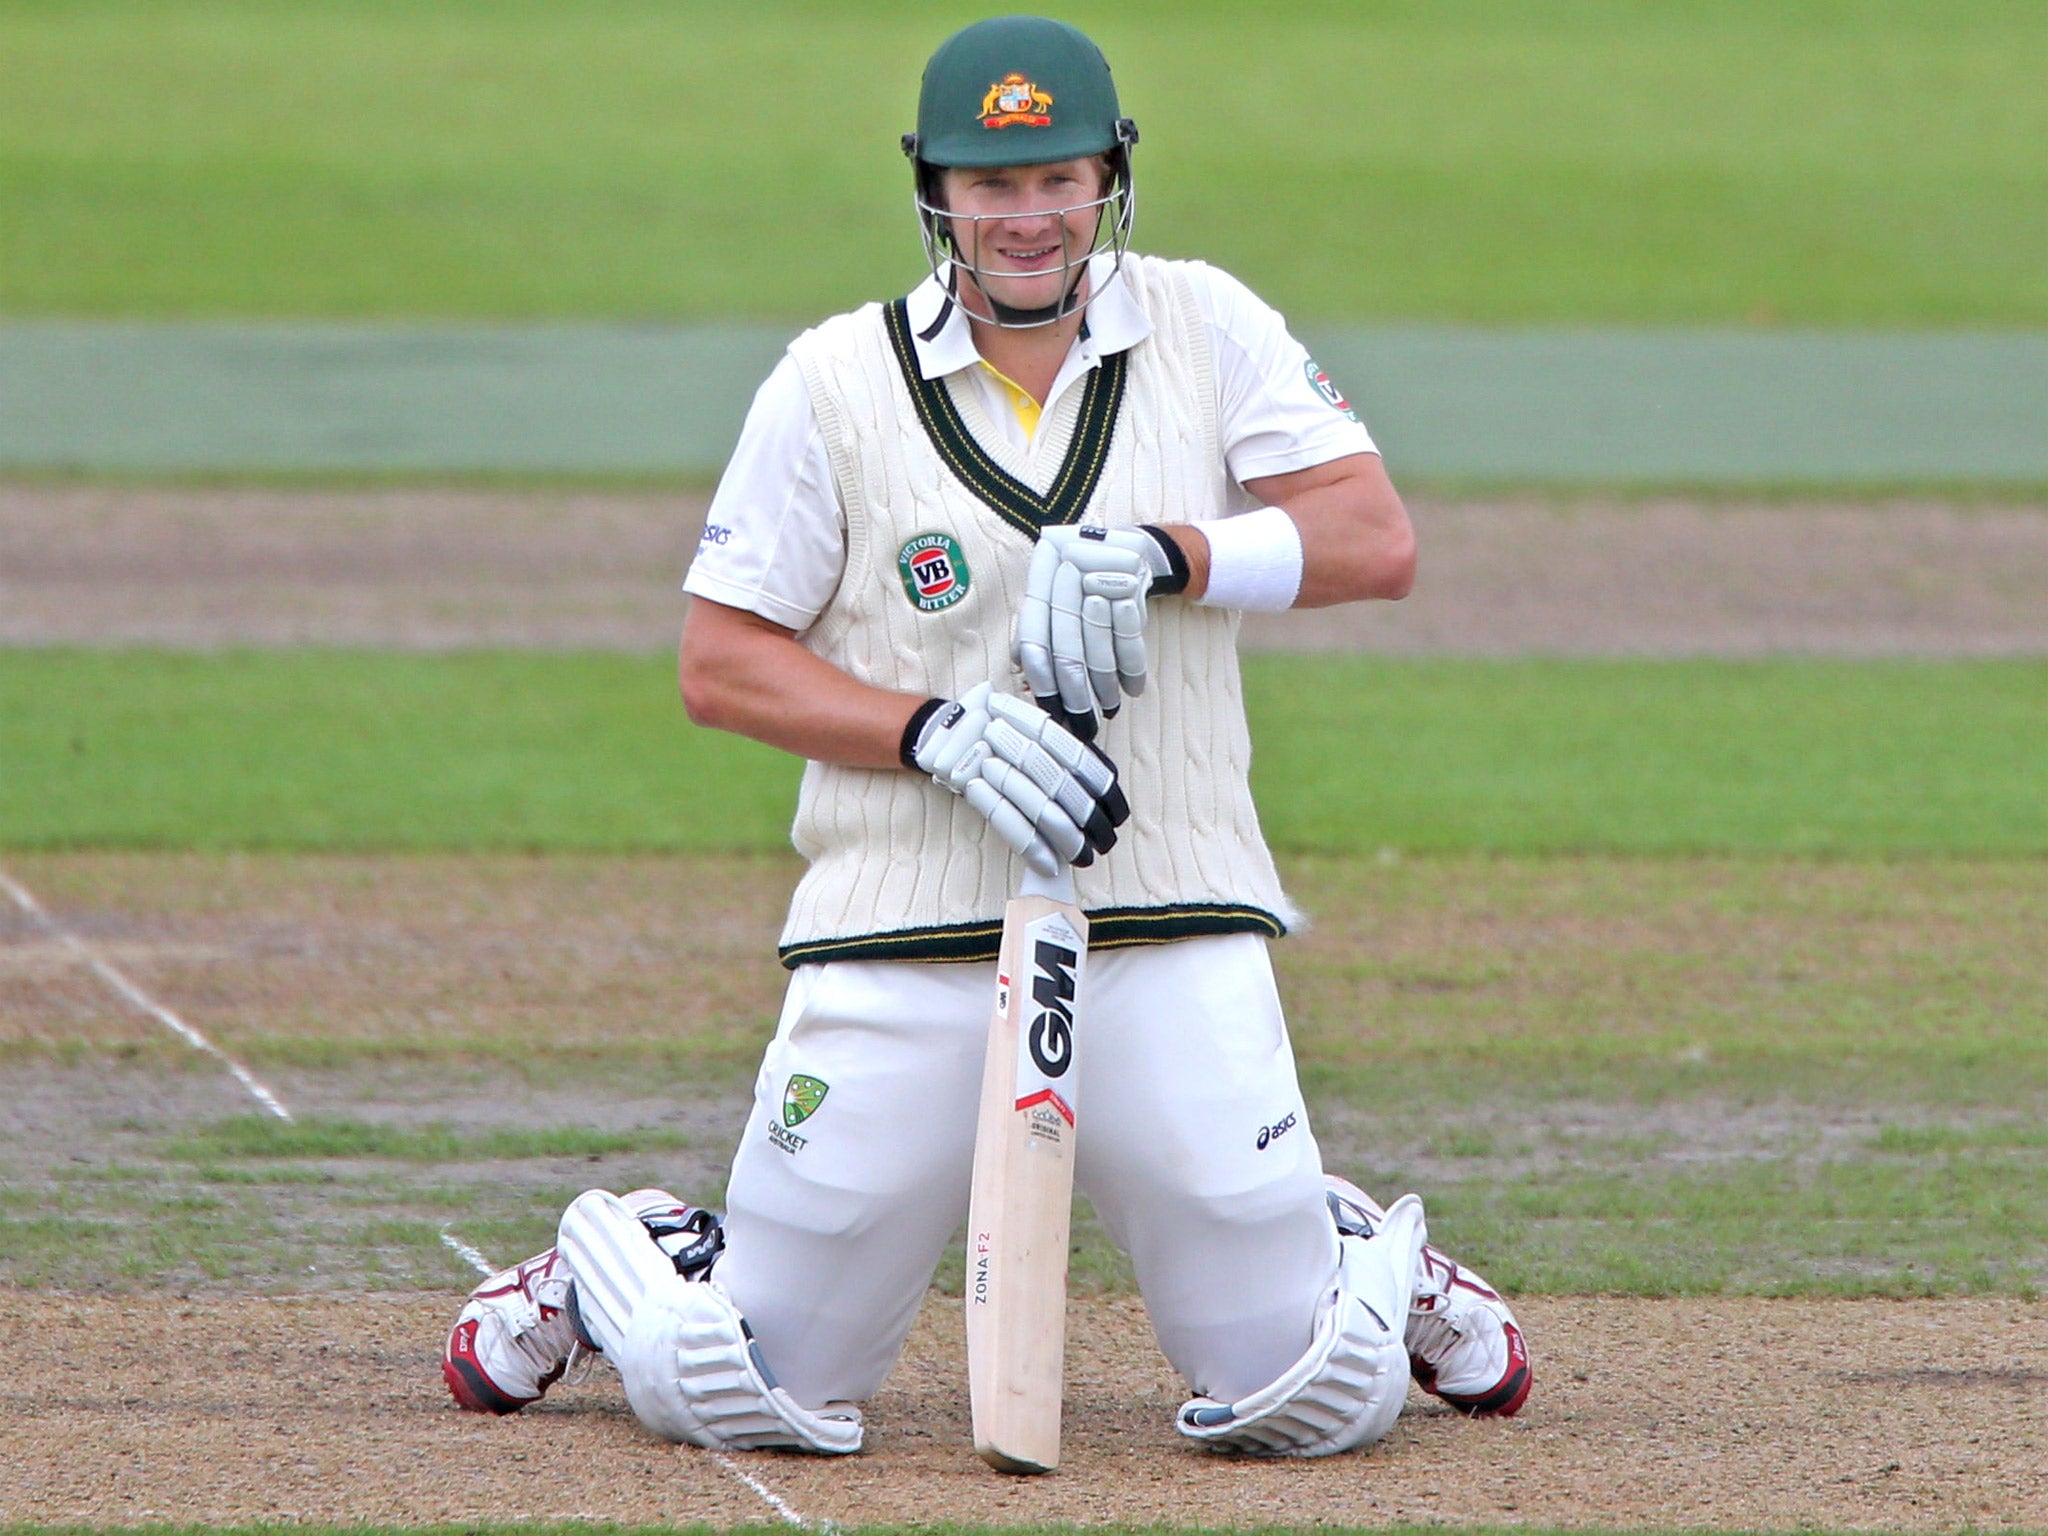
[1081, 632]
[1051, 796]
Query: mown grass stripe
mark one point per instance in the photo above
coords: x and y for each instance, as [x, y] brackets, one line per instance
[523, 751]
[1754, 162]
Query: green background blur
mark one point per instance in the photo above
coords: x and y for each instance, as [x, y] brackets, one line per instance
[1869, 164]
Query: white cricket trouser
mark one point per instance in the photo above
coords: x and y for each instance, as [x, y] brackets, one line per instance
[1193, 1145]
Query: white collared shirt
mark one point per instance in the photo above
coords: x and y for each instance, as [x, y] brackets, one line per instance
[775, 539]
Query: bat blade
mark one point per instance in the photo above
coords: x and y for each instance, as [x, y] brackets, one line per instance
[1024, 1186]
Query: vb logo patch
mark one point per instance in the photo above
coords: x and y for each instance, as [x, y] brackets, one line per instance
[934, 572]
[801, 1097]
[1325, 386]
[1013, 99]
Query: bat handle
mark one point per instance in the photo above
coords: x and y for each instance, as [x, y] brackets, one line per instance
[1059, 887]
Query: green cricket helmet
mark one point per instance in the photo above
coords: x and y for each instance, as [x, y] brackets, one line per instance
[1020, 90]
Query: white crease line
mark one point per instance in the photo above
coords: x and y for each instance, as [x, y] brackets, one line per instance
[467, 1254]
[761, 1490]
[270, 1101]
[769, 1496]
[139, 998]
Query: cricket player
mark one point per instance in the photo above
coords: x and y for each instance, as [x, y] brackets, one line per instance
[979, 558]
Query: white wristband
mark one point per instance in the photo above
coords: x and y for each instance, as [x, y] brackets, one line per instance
[1254, 561]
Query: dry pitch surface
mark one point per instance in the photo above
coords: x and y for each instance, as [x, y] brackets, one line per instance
[178, 1403]
[206, 568]
[1746, 1414]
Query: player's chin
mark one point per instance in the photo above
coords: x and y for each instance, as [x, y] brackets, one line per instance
[1025, 290]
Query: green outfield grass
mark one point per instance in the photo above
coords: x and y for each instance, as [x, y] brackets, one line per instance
[1824, 162]
[364, 750]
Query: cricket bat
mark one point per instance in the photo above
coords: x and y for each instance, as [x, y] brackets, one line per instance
[1024, 1182]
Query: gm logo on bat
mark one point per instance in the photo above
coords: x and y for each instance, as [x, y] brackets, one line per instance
[1045, 1033]
[1052, 988]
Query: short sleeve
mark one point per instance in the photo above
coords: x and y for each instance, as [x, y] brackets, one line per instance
[1277, 411]
[774, 540]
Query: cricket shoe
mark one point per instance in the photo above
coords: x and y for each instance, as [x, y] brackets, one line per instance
[513, 1338]
[1463, 1343]
[518, 1333]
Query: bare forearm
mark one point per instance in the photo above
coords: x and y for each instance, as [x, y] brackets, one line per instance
[757, 682]
[1356, 540]
[1348, 556]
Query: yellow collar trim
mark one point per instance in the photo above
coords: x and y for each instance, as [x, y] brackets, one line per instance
[1025, 407]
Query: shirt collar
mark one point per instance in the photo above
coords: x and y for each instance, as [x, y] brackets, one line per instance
[1116, 321]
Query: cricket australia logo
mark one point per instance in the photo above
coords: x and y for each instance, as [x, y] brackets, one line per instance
[934, 572]
[1014, 99]
[801, 1098]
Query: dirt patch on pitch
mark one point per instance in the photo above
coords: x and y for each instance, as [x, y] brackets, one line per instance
[416, 569]
[624, 1003]
[1737, 1414]
[402, 990]
[310, 963]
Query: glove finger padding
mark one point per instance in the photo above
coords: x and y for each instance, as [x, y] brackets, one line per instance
[1013, 827]
[1098, 648]
[1127, 636]
[1032, 647]
[1040, 808]
[1075, 772]
[1070, 644]
[1058, 807]
[1052, 798]
[1079, 654]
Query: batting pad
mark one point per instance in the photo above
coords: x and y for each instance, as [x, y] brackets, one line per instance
[1350, 1387]
[694, 1374]
[614, 1263]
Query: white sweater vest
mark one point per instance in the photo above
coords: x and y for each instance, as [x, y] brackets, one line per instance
[939, 535]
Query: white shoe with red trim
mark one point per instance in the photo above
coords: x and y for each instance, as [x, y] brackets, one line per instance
[513, 1338]
[518, 1333]
[1463, 1343]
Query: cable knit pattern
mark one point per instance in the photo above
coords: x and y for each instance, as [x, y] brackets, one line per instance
[902, 868]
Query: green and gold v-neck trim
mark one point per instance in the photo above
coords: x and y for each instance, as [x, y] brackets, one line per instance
[1010, 498]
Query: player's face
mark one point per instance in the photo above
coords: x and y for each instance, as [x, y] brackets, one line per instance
[1025, 228]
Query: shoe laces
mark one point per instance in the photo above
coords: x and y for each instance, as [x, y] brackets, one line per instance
[537, 1311]
[1434, 1326]
[581, 1364]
